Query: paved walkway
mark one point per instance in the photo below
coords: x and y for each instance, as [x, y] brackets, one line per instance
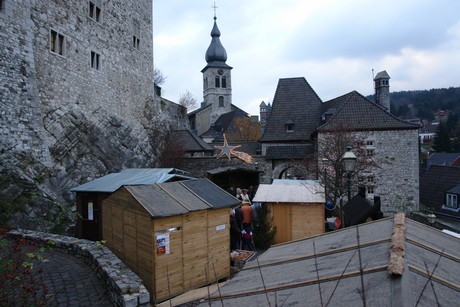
[70, 281]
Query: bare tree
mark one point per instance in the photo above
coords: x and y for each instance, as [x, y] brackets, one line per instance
[172, 153]
[158, 77]
[332, 144]
[187, 100]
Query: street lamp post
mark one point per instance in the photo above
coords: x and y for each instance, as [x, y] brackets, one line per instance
[349, 162]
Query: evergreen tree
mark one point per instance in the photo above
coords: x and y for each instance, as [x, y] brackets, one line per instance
[264, 231]
[442, 139]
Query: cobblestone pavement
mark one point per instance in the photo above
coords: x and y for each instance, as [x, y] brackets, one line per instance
[70, 281]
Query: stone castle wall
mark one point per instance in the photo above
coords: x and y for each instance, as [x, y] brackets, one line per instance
[76, 111]
[396, 170]
[397, 154]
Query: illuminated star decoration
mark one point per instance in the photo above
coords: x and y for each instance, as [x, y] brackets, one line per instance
[226, 149]
[230, 150]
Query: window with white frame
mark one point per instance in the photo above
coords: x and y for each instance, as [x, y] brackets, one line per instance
[95, 9]
[57, 42]
[95, 60]
[136, 34]
[370, 189]
[451, 201]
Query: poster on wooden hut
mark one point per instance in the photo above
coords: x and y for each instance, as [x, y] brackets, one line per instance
[162, 243]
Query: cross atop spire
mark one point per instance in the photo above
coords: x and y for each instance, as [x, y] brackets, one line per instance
[215, 7]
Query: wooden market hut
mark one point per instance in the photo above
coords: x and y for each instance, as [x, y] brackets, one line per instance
[89, 196]
[297, 208]
[174, 235]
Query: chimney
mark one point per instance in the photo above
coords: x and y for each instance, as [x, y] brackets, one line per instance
[382, 90]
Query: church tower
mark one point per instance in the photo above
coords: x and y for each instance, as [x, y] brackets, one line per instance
[382, 89]
[217, 78]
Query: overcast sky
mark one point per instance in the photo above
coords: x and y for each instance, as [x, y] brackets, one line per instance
[334, 44]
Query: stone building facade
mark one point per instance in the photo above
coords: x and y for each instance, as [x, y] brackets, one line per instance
[76, 91]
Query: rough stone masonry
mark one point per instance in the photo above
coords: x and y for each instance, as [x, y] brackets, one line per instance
[76, 97]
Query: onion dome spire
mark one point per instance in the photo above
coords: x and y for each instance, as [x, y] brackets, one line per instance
[216, 52]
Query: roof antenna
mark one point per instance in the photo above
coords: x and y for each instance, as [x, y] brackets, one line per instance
[214, 7]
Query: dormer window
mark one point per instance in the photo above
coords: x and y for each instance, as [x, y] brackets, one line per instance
[289, 126]
[451, 201]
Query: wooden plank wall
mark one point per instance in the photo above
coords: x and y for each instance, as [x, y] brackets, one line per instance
[307, 220]
[195, 249]
[296, 221]
[218, 244]
[282, 220]
[199, 247]
[199, 252]
[169, 274]
[127, 229]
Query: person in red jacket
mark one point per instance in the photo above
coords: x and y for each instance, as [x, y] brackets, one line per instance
[248, 214]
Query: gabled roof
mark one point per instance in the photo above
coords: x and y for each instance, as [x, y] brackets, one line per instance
[358, 209]
[190, 141]
[223, 123]
[295, 101]
[290, 191]
[342, 267]
[356, 113]
[443, 158]
[131, 176]
[181, 197]
[434, 183]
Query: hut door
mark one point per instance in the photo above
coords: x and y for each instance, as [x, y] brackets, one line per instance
[90, 218]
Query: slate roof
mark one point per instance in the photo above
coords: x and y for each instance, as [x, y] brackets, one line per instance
[443, 158]
[181, 197]
[326, 270]
[434, 182]
[191, 142]
[299, 151]
[294, 100]
[222, 124]
[131, 176]
[355, 112]
[358, 209]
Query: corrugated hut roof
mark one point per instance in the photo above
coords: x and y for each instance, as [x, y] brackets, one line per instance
[181, 197]
[296, 191]
[131, 176]
[295, 102]
[342, 267]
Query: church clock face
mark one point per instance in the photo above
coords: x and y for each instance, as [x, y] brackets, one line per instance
[220, 72]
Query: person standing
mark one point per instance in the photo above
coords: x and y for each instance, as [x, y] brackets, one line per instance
[235, 231]
[248, 214]
[245, 196]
